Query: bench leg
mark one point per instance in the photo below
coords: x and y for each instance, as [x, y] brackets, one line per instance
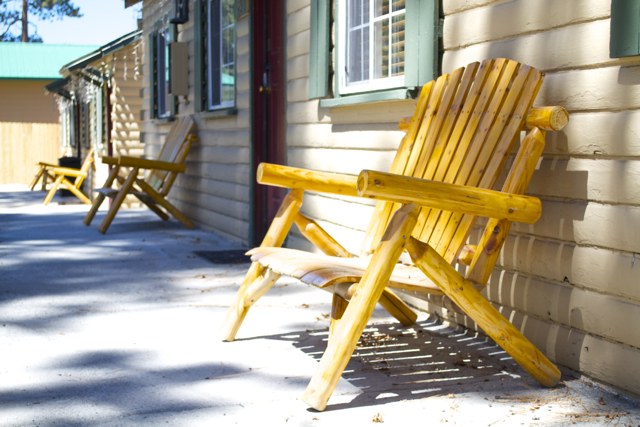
[54, 188]
[256, 283]
[347, 332]
[36, 178]
[117, 201]
[100, 197]
[275, 236]
[477, 307]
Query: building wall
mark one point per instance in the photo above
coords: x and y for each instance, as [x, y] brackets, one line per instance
[126, 103]
[29, 129]
[343, 139]
[27, 101]
[127, 80]
[215, 189]
[570, 281]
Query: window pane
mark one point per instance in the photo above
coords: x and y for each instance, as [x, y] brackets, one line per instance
[381, 8]
[357, 67]
[381, 46]
[397, 45]
[221, 54]
[374, 42]
[163, 72]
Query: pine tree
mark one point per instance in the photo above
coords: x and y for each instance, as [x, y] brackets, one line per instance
[16, 12]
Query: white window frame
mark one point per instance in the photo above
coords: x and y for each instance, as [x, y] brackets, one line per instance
[371, 84]
[215, 32]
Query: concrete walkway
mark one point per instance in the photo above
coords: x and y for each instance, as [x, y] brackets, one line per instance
[122, 330]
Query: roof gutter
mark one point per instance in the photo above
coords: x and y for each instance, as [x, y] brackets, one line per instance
[103, 51]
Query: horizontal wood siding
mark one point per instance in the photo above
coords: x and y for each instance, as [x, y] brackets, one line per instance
[23, 145]
[215, 189]
[570, 281]
[126, 103]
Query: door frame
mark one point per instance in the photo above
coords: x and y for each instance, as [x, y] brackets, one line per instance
[268, 113]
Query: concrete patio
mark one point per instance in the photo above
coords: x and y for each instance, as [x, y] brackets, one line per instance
[122, 330]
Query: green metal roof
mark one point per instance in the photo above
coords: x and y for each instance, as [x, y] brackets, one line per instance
[37, 60]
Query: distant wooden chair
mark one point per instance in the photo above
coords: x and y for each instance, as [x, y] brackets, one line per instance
[60, 178]
[465, 127]
[154, 186]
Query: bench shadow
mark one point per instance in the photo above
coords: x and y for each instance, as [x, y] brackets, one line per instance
[394, 363]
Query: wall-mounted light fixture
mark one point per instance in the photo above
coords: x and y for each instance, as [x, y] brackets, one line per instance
[180, 12]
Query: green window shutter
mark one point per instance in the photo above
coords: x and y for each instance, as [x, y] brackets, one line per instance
[421, 43]
[173, 100]
[199, 34]
[320, 48]
[153, 76]
[625, 28]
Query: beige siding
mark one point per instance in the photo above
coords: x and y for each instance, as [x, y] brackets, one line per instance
[29, 129]
[215, 189]
[571, 279]
[125, 68]
[22, 146]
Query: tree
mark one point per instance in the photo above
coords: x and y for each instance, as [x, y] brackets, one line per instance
[13, 12]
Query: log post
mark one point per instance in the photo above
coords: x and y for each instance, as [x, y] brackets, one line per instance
[348, 331]
[464, 295]
[275, 236]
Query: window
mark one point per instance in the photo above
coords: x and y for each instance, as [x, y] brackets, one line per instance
[383, 49]
[216, 43]
[163, 73]
[372, 44]
[163, 103]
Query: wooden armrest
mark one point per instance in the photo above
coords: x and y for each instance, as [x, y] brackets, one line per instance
[109, 160]
[58, 170]
[138, 162]
[47, 165]
[305, 179]
[547, 118]
[450, 197]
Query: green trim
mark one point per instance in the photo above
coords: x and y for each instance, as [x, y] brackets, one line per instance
[217, 114]
[363, 98]
[198, 43]
[319, 57]
[625, 28]
[421, 42]
[153, 76]
[104, 50]
[173, 100]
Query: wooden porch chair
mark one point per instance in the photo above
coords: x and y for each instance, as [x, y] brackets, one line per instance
[63, 178]
[465, 130]
[156, 182]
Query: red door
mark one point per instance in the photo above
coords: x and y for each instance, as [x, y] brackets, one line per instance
[268, 94]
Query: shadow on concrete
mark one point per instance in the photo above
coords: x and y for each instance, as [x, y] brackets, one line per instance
[395, 363]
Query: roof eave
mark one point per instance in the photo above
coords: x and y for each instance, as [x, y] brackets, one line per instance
[103, 51]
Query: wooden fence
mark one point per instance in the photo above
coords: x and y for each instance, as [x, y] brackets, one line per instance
[22, 145]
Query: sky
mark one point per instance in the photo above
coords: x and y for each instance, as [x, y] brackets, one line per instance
[102, 22]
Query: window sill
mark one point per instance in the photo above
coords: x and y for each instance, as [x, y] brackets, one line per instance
[162, 120]
[218, 114]
[365, 98]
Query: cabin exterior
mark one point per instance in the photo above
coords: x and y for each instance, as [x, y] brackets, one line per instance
[99, 103]
[277, 83]
[29, 129]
